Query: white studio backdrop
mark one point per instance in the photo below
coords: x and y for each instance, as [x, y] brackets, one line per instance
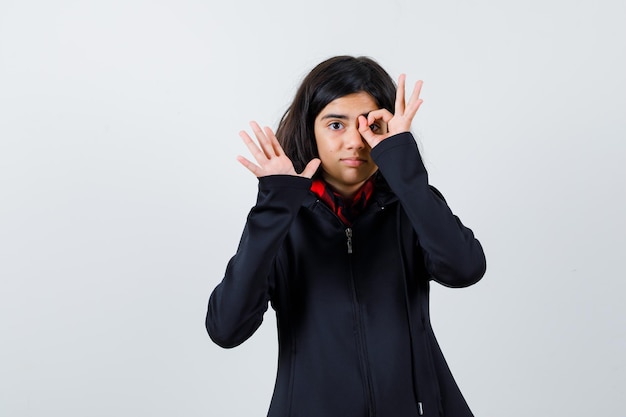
[121, 200]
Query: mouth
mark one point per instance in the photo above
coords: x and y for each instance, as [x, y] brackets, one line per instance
[353, 161]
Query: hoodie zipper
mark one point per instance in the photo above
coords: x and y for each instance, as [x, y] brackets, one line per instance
[361, 346]
[362, 351]
[349, 239]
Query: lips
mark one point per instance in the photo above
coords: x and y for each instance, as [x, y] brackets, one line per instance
[353, 162]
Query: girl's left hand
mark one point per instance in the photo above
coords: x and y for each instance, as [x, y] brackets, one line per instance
[396, 123]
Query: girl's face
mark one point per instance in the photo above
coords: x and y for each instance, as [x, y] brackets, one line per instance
[346, 160]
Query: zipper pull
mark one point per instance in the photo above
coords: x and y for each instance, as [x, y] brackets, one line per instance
[349, 239]
[420, 409]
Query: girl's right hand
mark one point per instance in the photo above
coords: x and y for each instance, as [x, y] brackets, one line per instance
[270, 157]
[398, 122]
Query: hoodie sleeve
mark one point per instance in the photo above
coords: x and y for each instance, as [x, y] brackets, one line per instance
[237, 304]
[453, 256]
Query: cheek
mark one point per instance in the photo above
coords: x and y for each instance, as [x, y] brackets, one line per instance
[327, 151]
[325, 145]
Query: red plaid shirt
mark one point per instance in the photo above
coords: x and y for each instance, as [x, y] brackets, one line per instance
[346, 209]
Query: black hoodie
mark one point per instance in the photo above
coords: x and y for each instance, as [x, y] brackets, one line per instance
[354, 332]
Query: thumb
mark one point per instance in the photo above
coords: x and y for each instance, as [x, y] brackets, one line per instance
[366, 131]
[311, 167]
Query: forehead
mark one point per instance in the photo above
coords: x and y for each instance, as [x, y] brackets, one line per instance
[351, 105]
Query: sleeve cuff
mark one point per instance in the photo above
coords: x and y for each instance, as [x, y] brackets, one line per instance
[271, 182]
[400, 139]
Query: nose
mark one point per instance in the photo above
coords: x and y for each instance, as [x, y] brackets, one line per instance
[353, 139]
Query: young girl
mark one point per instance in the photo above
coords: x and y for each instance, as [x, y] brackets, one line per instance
[344, 239]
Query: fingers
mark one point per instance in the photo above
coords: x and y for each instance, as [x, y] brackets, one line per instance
[258, 154]
[415, 95]
[364, 127]
[311, 168]
[414, 101]
[376, 121]
[399, 107]
[264, 141]
[249, 165]
[278, 150]
[269, 154]
[268, 143]
[365, 130]
[380, 114]
[267, 139]
[405, 112]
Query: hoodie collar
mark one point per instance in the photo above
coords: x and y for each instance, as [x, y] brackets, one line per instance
[382, 194]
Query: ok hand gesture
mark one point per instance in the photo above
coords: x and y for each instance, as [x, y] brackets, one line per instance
[270, 157]
[396, 123]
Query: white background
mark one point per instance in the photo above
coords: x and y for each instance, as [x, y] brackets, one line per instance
[121, 199]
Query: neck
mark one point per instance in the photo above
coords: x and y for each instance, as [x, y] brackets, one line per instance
[345, 191]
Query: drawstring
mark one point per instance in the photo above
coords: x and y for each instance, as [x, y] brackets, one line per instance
[420, 409]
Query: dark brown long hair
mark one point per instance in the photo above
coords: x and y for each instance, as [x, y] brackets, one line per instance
[333, 78]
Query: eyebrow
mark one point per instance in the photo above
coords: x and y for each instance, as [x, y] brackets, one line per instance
[341, 116]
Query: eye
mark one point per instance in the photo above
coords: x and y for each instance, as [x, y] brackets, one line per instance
[335, 125]
[375, 127]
